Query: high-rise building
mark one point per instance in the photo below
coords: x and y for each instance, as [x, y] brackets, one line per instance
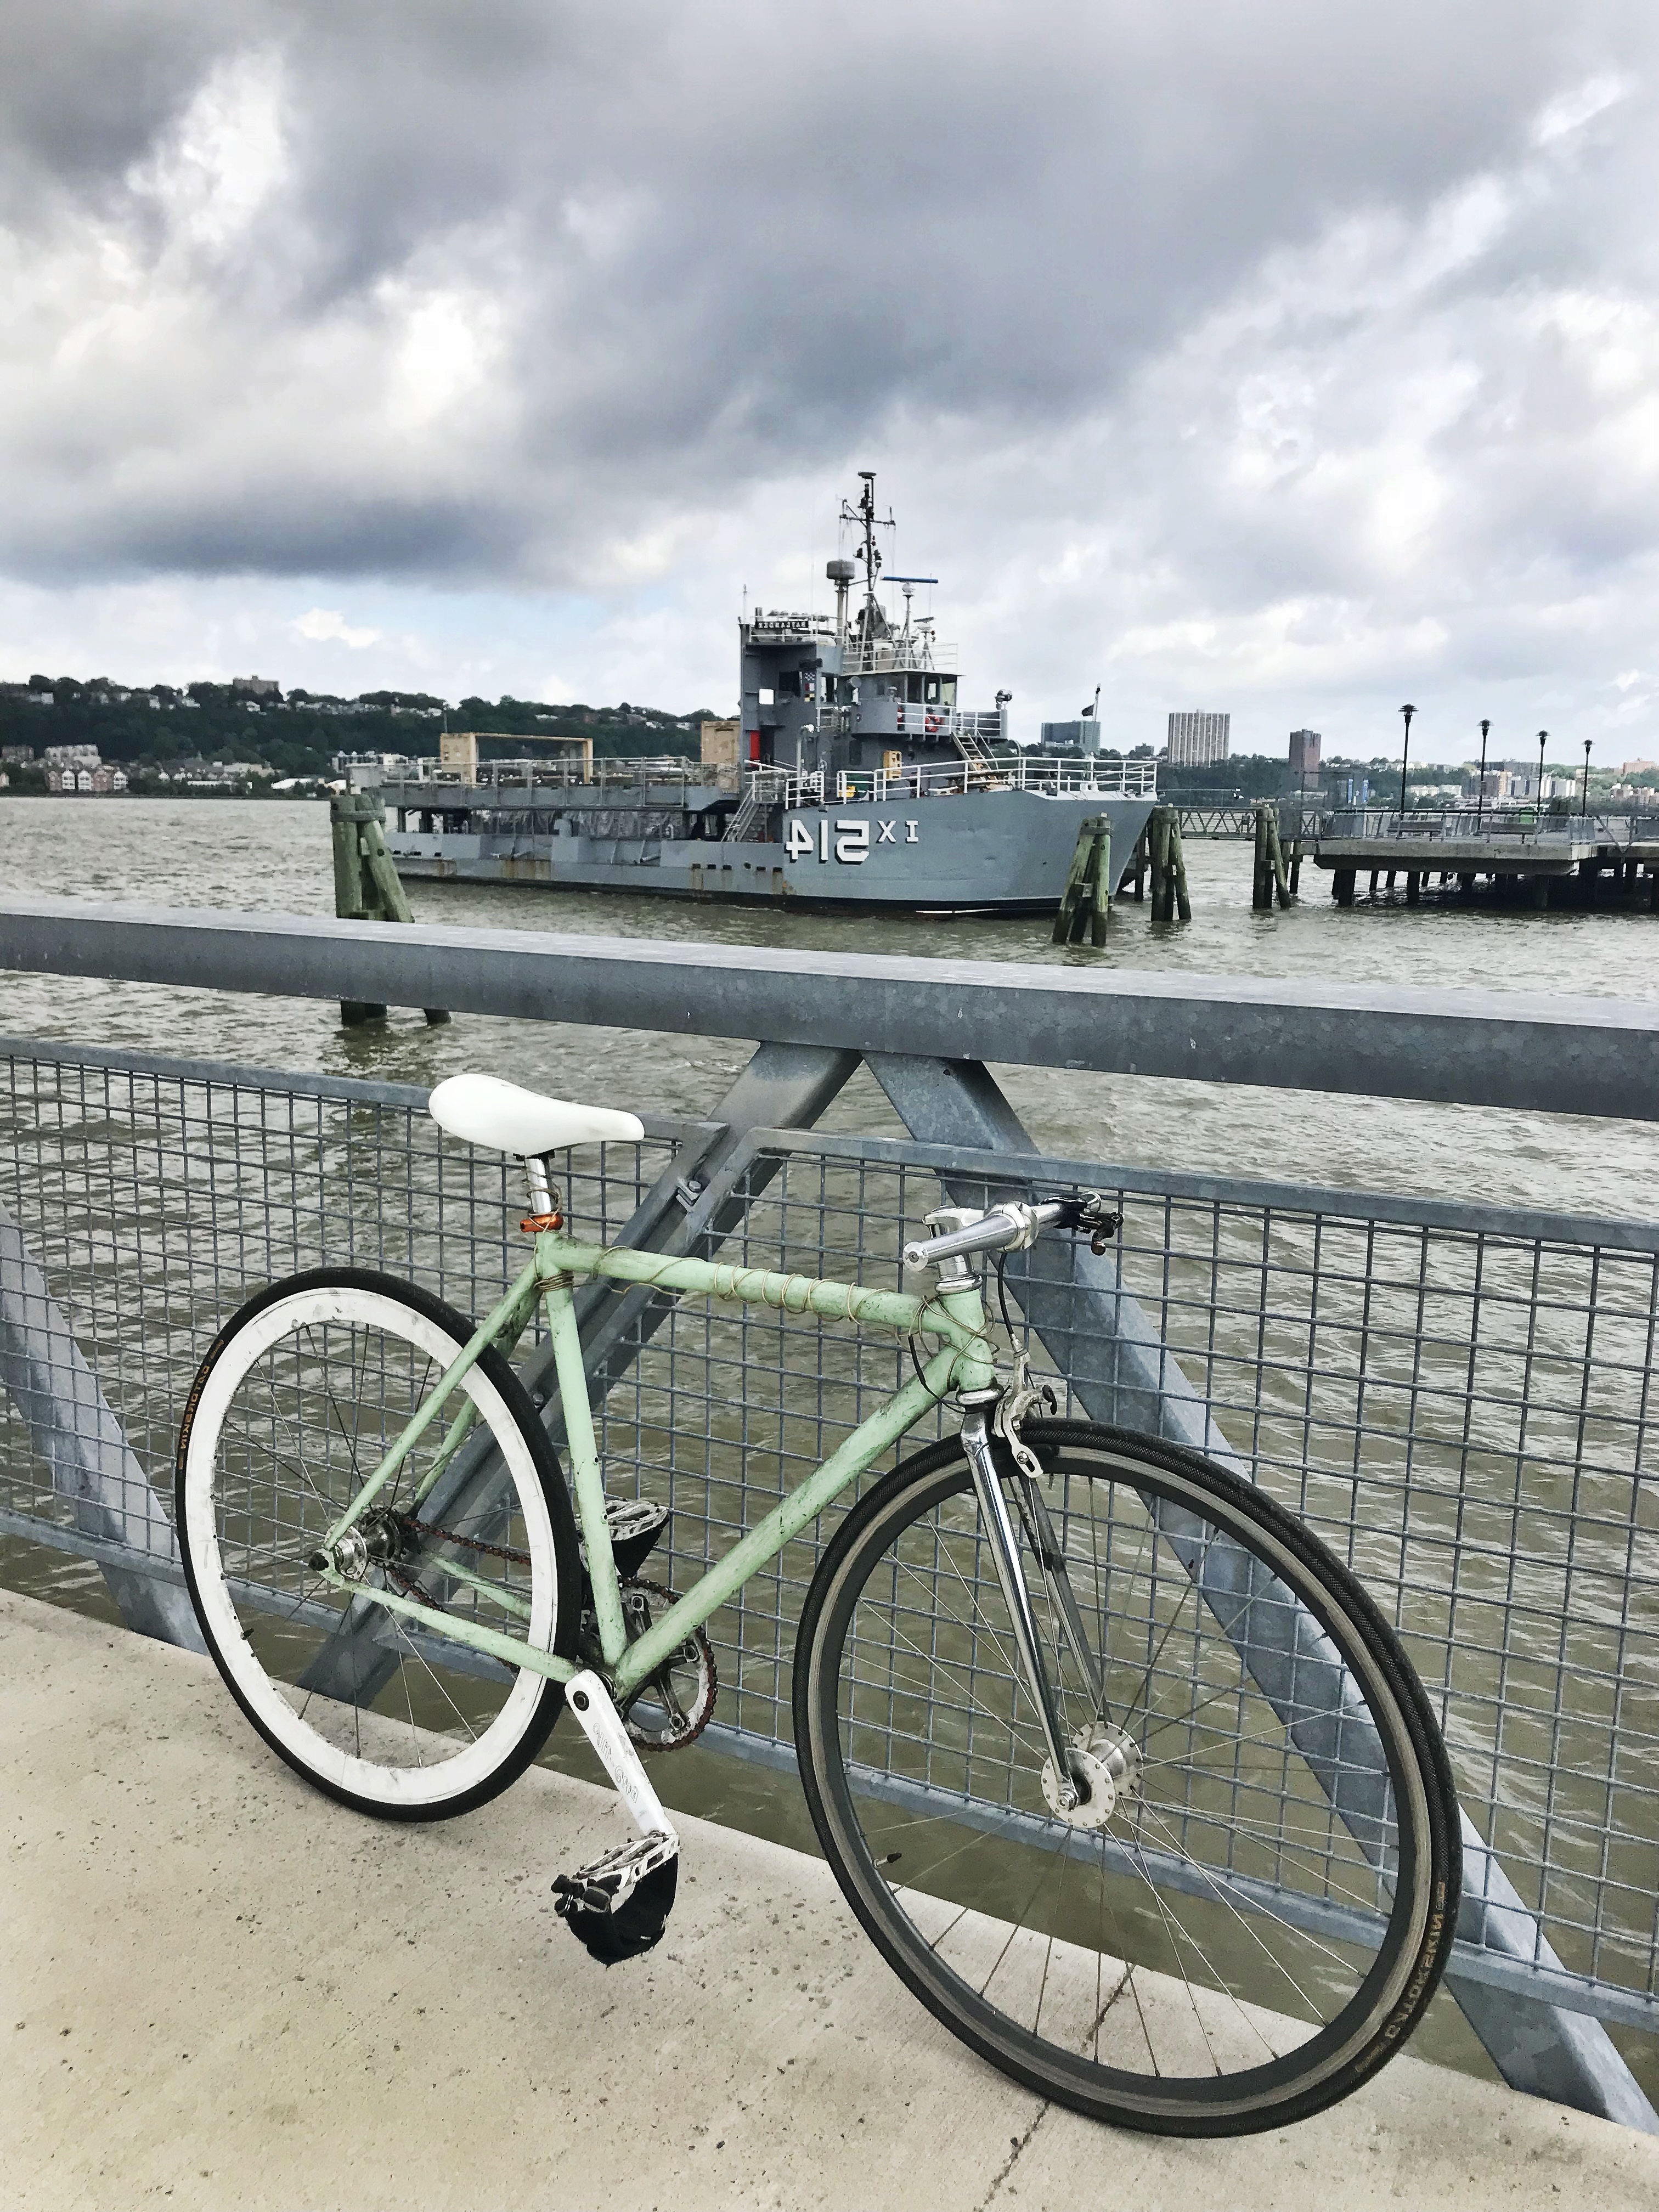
[1304, 752]
[1196, 739]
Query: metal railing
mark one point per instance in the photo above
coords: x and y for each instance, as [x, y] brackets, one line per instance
[1087, 776]
[1526, 824]
[515, 781]
[1458, 1398]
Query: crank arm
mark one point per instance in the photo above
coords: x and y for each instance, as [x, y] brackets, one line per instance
[601, 1723]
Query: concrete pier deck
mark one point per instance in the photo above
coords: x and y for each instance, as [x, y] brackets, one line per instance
[217, 1991]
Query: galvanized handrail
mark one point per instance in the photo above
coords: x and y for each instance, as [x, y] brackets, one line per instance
[1512, 1048]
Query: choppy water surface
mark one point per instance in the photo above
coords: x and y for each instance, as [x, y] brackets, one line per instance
[265, 854]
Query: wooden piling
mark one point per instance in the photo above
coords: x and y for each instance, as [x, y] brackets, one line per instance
[1169, 867]
[1178, 865]
[367, 885]
[1262, 880]
[1086, 901]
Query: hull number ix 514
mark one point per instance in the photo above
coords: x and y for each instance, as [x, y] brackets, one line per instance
[848, 841]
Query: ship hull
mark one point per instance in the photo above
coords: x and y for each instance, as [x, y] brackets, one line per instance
[981, 852]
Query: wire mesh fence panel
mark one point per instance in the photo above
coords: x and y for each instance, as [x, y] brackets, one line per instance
[1456, 1399]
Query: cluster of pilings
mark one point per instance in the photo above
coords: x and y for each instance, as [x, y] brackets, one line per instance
[1158, 858]
[1273, 878]
[367, 885]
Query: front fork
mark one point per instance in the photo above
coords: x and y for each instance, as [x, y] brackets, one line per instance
[977, 1442]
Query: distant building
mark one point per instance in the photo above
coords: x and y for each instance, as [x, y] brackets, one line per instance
[1080, 735]
[1514, 783]
[1304, 752]
[717, 742]
[19, 756]
[1197, 739]
[72, 756]
[262, 687]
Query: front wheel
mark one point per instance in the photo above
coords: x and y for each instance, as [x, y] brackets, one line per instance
[1251, 1905]
[300, 1396]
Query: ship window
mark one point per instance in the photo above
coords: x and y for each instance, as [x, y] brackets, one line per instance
[913, 689]
[789, 682]
[933, 690]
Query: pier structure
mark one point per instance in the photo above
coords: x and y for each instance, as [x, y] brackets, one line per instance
[1351, 1353]
[171, 2038]
[1543, 860]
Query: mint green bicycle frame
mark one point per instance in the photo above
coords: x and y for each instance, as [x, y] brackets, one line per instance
[954, 1314]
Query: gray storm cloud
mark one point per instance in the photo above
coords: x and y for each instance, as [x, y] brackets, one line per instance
[1280, 340]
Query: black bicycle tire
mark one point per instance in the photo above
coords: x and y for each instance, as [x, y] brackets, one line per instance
[862, 1540]
[493, 1365]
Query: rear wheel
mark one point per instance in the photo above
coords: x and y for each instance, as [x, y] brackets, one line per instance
[1252, 1905]
[297, 1401]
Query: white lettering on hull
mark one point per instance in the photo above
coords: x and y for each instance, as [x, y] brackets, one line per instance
[847, 841]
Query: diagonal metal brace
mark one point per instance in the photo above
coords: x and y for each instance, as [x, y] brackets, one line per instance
[75, 1431]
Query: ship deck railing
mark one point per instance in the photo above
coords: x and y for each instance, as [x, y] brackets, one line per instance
[920, 653]
[513, 779]
[1084, 777]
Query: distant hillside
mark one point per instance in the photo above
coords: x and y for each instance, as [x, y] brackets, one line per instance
[298, 733]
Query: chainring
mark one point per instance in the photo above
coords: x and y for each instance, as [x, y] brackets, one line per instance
[685, 1690]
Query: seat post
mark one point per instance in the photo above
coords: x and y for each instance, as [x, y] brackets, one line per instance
[541, 1195]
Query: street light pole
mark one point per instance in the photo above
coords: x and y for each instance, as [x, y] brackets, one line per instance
[1481, 787]
[1543, 736]
[1584, 808]
[1405, 752]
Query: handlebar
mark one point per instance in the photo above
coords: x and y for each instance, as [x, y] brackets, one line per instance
[1013, 1226]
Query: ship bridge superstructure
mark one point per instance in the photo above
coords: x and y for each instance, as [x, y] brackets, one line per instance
[864, 691]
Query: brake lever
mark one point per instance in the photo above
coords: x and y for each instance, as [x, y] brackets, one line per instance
[1092, 1213]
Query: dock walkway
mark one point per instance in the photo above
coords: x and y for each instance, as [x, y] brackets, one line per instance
[221, 1992]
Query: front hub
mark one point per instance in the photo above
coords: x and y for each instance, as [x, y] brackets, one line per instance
[1105, 1767]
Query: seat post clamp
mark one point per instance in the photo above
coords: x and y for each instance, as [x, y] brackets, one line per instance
[533, 1224]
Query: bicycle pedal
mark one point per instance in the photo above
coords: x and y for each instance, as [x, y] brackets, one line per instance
[618, 1908]
[636, 1526]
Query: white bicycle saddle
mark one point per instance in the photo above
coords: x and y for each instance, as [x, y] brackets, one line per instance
[482, 1109]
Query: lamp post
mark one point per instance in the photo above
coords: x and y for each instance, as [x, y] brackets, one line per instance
[1480, 787]
[1407, 712]
[1543, 736]
[1584, 808]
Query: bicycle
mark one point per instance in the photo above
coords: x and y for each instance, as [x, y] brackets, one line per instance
[1121, 1771]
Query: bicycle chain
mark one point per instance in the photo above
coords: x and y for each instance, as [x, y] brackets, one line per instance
[411, 1527]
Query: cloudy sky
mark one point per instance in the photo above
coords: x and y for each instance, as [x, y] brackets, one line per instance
[1292, 359]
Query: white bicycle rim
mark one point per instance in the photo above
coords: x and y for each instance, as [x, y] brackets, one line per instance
[397, 1787]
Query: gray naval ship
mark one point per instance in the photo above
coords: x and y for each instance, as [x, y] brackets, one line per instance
[852, 777]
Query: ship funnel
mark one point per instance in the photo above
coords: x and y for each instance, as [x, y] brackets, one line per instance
[840, 574]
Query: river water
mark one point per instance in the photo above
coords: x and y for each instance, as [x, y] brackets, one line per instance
[271, 856]
[266, 854]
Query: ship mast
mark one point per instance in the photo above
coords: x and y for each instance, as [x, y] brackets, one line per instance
[872, 623]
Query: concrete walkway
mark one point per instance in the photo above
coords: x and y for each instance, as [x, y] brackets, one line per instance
[217, 1990]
